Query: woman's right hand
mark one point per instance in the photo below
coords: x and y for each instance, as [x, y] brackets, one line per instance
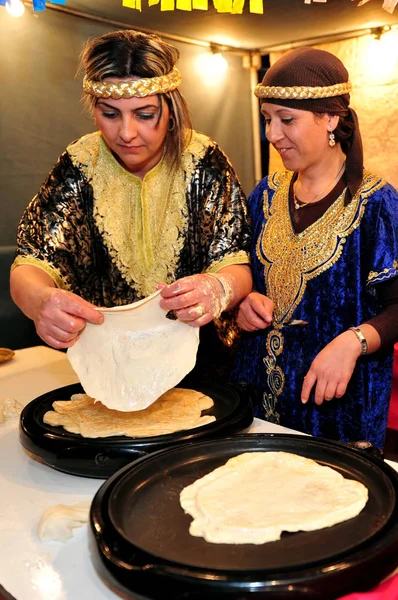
[255, 312]
[60, 317]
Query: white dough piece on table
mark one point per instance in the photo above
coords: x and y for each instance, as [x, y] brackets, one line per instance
[57, 522]
[9, 409]
[135, 356]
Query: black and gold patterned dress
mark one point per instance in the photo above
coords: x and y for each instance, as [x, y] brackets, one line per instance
[110, 237]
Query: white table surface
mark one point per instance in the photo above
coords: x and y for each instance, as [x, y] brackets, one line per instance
[31, 569]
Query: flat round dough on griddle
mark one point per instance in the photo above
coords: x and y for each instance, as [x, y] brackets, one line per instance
[176, 410]
[256, 496]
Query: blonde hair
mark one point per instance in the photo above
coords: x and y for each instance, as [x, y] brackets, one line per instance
[127, 53]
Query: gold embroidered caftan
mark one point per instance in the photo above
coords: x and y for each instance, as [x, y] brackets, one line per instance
[104, 234]
[322, 280]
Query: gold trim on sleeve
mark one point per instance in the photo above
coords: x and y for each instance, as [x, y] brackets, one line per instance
[240, 257]
[387, 273]
[44, 266]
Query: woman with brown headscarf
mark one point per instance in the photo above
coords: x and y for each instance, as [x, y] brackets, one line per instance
[324, 317]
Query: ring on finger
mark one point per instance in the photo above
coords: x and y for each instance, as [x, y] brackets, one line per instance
[200, 311]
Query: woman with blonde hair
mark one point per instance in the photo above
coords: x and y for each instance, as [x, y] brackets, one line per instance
[322, 321]
[143, 202]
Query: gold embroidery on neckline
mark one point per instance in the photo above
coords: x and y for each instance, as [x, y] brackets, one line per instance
[142, 222]
[291, 259]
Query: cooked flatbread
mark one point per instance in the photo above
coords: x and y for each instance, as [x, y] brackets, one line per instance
[176, 410]
[256, 496]
[135, 356]
[6, 354]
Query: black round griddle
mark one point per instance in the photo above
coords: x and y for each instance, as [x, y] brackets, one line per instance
[101, 457]
[141, 542]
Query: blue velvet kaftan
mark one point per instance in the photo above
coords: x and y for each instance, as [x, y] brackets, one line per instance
[327, 277]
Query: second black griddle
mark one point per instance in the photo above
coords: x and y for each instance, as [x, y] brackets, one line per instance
[143, 543]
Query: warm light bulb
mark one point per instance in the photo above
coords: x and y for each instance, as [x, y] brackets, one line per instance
[15, 8]
[220, 65]
[381, 57]
[211, 66]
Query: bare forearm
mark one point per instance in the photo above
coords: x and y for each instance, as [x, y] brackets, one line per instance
[238, 282]
[27, 284]
[332, 368]
[59, 315]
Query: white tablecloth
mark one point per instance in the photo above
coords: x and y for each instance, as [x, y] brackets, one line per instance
[35, 371]
[30, 569]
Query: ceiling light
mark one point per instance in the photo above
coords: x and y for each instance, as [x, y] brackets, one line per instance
[379, 31]
[15, 8]
[219, 63]
[211, 65]
[381, 56]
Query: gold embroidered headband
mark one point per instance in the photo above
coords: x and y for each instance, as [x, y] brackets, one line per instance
[138, 88]
[302, 92]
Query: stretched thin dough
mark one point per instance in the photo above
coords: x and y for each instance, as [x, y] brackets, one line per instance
[135, 356]
[256, 496]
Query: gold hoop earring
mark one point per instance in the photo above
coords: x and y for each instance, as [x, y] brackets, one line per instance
[172, 124]
[332, 141]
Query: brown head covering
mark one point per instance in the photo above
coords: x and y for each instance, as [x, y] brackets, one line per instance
[310, 67]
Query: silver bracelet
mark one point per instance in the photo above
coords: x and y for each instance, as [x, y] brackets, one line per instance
[361, 339]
